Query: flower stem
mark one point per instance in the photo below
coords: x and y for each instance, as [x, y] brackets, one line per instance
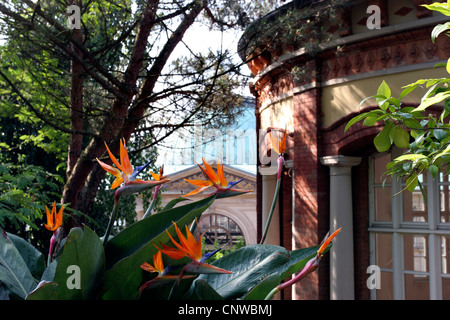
[150, 207]
[275, 198]
[272, 293]
[111, 223]
[272, 209]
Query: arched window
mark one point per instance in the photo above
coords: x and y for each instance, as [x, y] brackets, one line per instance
[220, 231]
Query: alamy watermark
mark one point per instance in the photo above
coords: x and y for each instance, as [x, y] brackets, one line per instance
[373, 281]
[374, 20]
[74, 17]
[74, 280]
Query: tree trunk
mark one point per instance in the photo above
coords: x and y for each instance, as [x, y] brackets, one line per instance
[111, 129]
[76, 104]
[136, 113]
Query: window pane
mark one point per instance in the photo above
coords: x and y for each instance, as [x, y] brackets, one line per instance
[416, 252]
[445, 254]
[383, 201]
[444, 197]
[386, 291]
[384, 250]
[417, 287]
[380, 169]
[446, 288]
[414, 205]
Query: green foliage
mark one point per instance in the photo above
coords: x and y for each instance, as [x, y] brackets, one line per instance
[252, 264]
[424, 135]
[25, 191]
[15, 267]
[113, 271]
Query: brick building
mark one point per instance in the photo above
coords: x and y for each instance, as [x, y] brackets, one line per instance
[311, 83]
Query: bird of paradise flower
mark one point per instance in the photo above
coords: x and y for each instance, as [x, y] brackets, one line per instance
[218, 181]
[125, 174]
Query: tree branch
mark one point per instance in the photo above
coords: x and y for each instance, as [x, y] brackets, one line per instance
[39, 114]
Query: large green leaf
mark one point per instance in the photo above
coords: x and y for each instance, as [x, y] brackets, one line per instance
[33, 258]
[251, 265]
[14, 273]
[46, 291]
[401, 137]
[136, 245]
[383, 140]
[201, 290]
[131, 239]
[82, 262]
[262, 289]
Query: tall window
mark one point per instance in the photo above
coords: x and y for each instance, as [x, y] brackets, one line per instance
[410, 234]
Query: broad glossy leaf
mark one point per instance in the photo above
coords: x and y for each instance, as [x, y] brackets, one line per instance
[14, 273]
[122, 281]
[252, 264]
[46, 291]
[33, 258]
[401, 137]
[140, 233]
[429, 101]
[172, 203]
[83, 257]
[382, 141]
[262, 289]
[201, 290]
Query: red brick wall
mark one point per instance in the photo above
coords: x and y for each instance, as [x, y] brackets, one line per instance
[310, 189]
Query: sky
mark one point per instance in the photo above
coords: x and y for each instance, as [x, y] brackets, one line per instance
[200, 39]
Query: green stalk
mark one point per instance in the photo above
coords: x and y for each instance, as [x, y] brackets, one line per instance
[272, 293]
[280, 163]
[111, 223]
[272, 209]
[150, 207]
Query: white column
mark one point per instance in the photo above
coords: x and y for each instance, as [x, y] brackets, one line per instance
[269, 182]
[342, 273]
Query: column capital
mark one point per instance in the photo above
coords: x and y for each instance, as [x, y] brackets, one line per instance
[340, 161]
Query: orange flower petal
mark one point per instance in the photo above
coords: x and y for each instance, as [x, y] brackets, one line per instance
[277, 145]
[194, 245]
[327, 241]
[148, 267]
[172, 252]
[200, 183]
[49, 224]
[157, 261]
[220, 173]
[115, 172]
[114, 159]
[54, 220]
[210, 172]
[59, 218]
[124, 159]
[117, 182]
[155, 176]
[198, 190]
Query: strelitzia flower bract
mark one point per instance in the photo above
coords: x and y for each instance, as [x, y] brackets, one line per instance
[158, 266]
[223, 187]
[54, 223]
[54, 219]
[125, 173]
[279, 145]
[191, 248]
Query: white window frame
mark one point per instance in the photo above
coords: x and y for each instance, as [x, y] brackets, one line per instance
[432, 229]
